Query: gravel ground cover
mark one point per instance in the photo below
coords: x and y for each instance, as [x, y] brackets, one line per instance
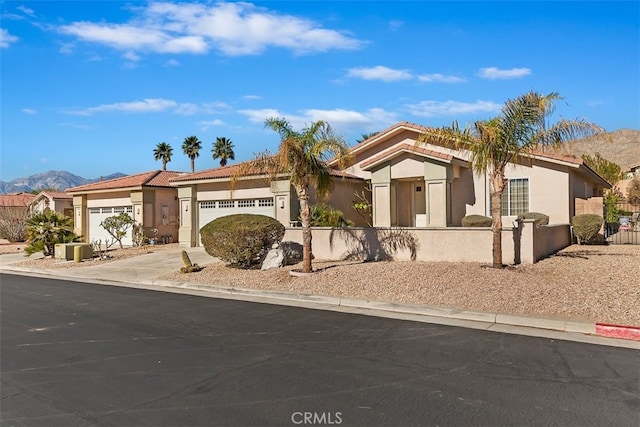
[590, 283]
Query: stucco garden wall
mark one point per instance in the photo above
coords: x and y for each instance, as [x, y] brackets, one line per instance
[524, 244]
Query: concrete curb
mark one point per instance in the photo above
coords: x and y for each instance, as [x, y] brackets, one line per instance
[441, 315]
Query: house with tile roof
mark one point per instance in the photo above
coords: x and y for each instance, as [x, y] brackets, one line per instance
[147, 197]
[58, 201]
[207, 195]
[417, 186]
[430, 185]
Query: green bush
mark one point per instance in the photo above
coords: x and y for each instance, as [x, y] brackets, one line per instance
[241, 240]
[476, 221]
[45, 230]
[539, 218]
[586, 227]
[323, 215]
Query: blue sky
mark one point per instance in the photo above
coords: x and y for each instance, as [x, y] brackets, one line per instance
[92, 86]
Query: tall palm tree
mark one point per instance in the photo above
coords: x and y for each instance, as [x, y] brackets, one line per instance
[191, 148]
[163, 151]
[223, 150]
[302, 156]
[515, 135]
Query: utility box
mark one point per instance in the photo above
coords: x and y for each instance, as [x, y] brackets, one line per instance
[64, 251]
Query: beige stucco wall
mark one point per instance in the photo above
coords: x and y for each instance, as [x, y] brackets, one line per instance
[121, 198]
[438, 244]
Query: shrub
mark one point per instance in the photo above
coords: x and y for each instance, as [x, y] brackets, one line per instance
[539, 218]
[242, 240]
[476, 221]
[13, 220]
[323, 215]
[117, 226]
[586, 227]
[45, 230]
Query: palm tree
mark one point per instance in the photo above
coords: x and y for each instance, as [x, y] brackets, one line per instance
[223, 150]
[514, 136]
[191, 148]
[365, 136]
[163, 151]
[302, 156]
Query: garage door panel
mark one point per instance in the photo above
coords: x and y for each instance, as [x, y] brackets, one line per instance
[213, 209]
[97, 215]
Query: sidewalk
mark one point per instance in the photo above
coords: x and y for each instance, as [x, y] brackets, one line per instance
[142, 272]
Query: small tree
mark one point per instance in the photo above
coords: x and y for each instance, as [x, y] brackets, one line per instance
[607, 169]
[633, 191]
[117, 226]
[13, 220]
[45, 230]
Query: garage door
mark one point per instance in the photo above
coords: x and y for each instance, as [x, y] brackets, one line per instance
[212, 209]
[97, 215]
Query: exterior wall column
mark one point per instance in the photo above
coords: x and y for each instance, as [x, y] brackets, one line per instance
[80, 216]
[284, 208]
[381, 197]
[438, 178]
[188, 231]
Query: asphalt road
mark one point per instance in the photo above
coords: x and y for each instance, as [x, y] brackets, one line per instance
[75, 354]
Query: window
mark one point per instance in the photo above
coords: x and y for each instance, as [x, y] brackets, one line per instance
[515, 198]
[265, 202]
[94, 211]
[207, 205]
[246, 203]
[226, 204]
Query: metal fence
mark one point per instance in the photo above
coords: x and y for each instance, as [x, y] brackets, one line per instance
[622, 225]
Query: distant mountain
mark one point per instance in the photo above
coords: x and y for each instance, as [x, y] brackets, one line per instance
[60, 180]
[623, 147]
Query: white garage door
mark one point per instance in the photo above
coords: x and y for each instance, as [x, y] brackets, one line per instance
[97, 215]
[212, 209]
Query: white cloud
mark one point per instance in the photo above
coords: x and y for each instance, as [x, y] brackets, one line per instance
[341, 120]
[493, 73]
[206, 124]
[172, 63]
[440, 78]
[131, 56]
[44, 160]
[26, 11]
[6, 39]
[29, 111]
[187, 109]
[379, 72]
[150, 105]
[230, 28]
[251, 97]
[395, 24]
[452, 108]
[596, 103]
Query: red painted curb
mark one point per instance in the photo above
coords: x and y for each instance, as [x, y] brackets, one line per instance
[617, 331]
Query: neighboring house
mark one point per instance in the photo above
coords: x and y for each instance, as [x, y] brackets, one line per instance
[16, 200]
[634, 170]
[147, 197]
[57, 201]
[207, 195]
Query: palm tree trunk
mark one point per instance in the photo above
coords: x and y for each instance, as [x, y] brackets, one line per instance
[305, 216]
[164, 165]
[497, 188]
[193, 164]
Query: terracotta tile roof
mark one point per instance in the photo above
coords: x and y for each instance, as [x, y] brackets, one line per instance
[155, 178]
[229, 171]
[16, 199]
[407, 147]
[399, 125]
[57, 195]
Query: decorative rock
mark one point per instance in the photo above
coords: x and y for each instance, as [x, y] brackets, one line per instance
[274, 259]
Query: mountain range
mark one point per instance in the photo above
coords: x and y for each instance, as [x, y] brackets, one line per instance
[60, 180]
[621, 147]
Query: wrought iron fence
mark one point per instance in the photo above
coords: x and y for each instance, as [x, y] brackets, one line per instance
[622, 224]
